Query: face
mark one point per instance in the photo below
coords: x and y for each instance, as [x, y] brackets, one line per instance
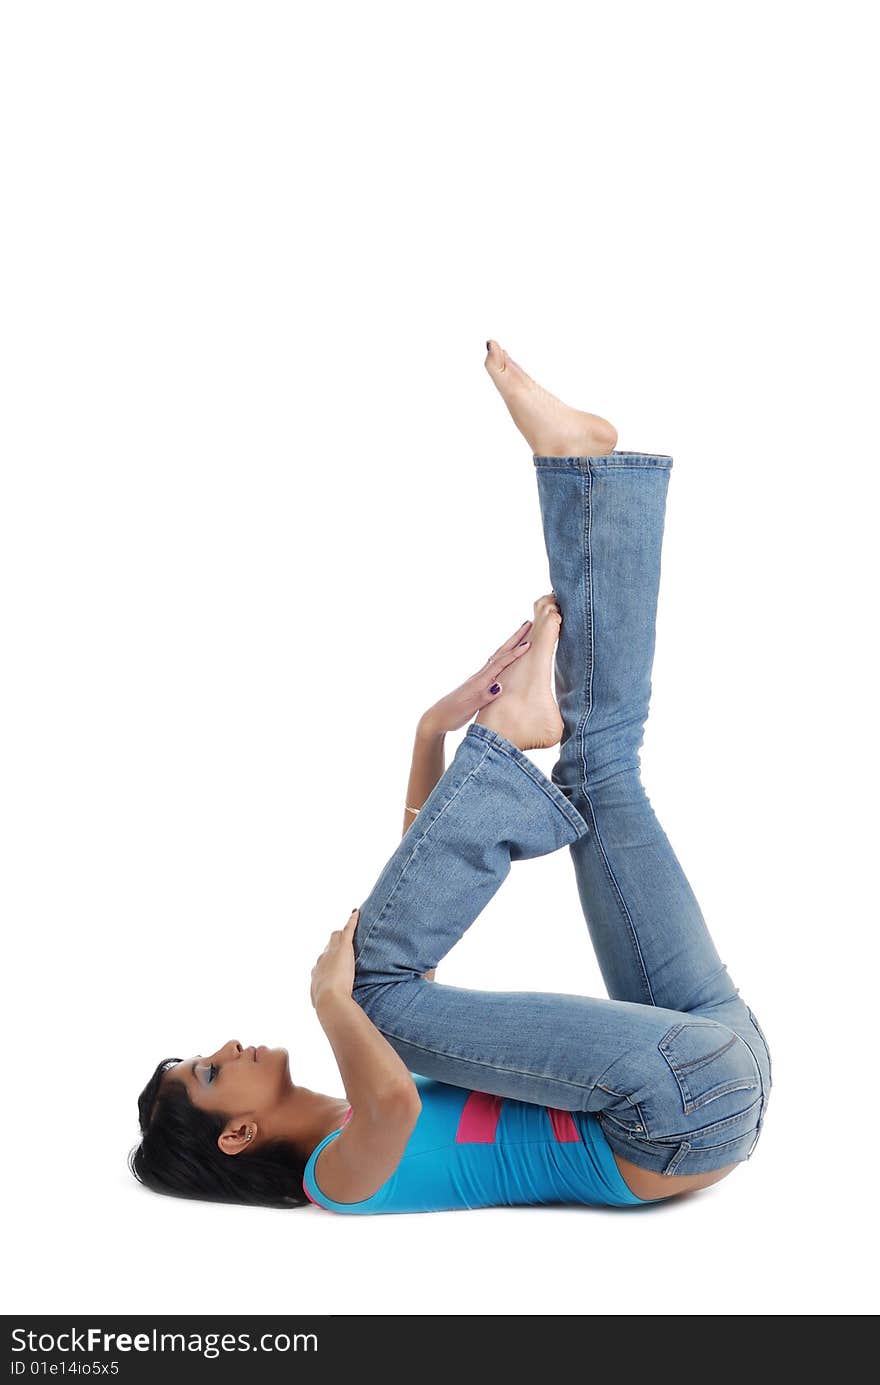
[244, 1084]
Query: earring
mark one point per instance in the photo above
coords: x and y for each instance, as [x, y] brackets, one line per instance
[249, 1135]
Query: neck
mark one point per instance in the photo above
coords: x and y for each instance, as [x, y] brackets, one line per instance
[303, 1118]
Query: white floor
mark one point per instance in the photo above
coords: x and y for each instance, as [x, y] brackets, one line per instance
[761, 1243]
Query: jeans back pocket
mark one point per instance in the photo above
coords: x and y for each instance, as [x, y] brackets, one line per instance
[708, 1061]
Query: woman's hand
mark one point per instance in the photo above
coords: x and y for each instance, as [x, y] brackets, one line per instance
[457, 707]
[333, 973]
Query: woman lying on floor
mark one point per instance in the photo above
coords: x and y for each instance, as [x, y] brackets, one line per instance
[465, 1098]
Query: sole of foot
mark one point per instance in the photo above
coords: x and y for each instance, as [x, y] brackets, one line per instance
[525, 711]
[550, 427]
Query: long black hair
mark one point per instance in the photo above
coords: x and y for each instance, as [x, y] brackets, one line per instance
[178, 1153]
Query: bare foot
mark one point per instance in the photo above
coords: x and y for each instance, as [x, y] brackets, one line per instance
[551, 428]
[526, 712]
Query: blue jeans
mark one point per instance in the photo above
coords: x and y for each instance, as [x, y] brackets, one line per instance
[673, 1064]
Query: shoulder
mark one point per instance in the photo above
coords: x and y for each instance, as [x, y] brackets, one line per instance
[351, 1164]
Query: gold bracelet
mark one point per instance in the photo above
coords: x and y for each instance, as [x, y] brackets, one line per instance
[412, 810]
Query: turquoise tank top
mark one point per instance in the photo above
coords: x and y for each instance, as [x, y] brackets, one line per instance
[469, 1149]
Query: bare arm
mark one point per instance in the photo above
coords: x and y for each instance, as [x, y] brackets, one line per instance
[428, 764]
[383, 1096]
[450, 713]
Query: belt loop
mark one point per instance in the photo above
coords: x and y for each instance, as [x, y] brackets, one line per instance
[677, 1157]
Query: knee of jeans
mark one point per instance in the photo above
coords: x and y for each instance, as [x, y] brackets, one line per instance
[604, 761]
[383, 1000]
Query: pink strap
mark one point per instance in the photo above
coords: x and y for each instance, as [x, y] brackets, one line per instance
[479, 1119]
[564, 1129]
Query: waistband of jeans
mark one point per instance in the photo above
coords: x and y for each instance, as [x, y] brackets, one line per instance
[608, 461]
[476, 731]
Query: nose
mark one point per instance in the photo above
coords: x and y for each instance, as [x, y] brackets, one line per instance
[231, 1049]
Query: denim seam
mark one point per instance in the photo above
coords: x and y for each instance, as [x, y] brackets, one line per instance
[590, 637]
[665, 1141]
[589, 627]
[415, 851]
[765, 1088]
[618, 894]
[692, 1104]
[760, 1076]
[711, 1129]
[623, 1096]
[681, 1153]
[693, 1064]
[764, 1044]
[632, 1132]
[490, 1067]
[624, 461]
[636, 1149]
[561, 804]
[611, 1090]
[632, 1149]
[722, 1144]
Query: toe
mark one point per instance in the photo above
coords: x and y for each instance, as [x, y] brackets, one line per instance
[496, 357]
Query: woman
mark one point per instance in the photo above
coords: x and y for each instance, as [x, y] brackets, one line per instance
[521, 1097]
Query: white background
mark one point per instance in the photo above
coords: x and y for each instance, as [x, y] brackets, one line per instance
[262, 505]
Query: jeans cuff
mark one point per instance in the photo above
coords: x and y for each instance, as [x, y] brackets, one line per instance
[513, 752]
[608, 459]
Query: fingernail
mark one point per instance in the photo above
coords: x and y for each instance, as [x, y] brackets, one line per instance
[522, 642]
[488, 346]
[495, 688]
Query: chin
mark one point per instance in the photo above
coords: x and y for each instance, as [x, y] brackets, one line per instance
[281, 1058]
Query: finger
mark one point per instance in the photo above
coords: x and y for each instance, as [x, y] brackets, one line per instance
[514, 639]
[500, 658]
[488, 695]
[352, 922]
[516, 636]
[505, 660]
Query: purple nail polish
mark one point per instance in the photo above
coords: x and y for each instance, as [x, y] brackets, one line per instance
[496, 687]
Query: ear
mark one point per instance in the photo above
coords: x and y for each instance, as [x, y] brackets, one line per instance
[237, 1135]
